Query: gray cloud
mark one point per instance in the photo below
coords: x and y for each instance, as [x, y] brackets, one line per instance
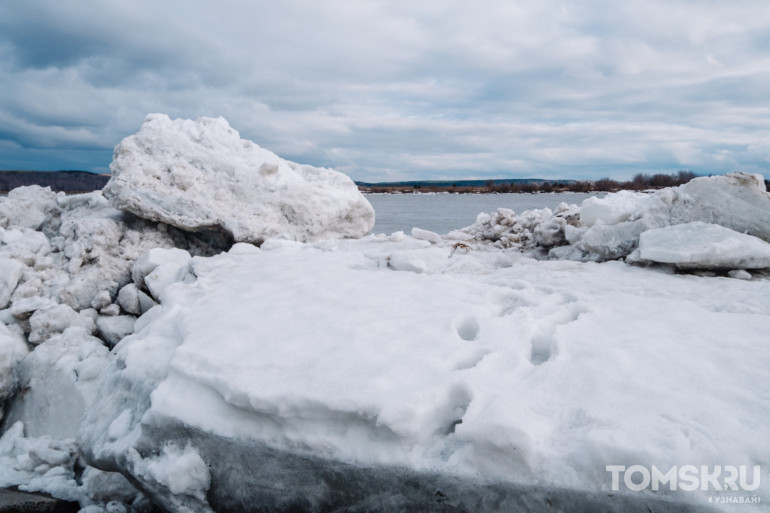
[393, 89]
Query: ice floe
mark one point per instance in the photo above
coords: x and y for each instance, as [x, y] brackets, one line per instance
[201, 175]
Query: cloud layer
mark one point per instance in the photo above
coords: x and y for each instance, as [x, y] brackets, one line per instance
[390, 89]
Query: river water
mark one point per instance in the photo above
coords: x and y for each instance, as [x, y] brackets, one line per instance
[442, 213]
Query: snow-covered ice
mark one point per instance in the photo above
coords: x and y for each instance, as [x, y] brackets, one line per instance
[502, 366]
[487, 363]
[701, 245]
[737, 201]
[609, 228]
[201, 175]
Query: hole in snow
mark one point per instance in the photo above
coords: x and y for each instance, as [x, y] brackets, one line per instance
[542, 348]
[454, 425]
[467, 327]
[470, 361]
[459, 400]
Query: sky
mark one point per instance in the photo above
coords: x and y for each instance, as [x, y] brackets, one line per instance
[399, 90]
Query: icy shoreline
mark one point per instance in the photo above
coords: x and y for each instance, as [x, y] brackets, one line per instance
[173, 350]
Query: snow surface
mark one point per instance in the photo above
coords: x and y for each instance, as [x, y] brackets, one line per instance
[201, 175]
[488, 363]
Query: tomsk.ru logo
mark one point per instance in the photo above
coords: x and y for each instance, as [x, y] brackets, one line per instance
[687, 478]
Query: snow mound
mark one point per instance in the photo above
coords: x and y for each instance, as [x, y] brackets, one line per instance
[701, 245]
[201, 175]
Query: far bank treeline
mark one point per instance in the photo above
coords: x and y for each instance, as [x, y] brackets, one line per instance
[640, 182]
[83, 181]
[64, 181]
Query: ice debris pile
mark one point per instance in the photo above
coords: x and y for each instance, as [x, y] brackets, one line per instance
[718, 222]
[76, 271]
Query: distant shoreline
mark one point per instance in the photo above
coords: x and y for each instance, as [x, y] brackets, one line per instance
[74, 182]
[640, 182]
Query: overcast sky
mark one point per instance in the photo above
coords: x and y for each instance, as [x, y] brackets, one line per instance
[391, 89]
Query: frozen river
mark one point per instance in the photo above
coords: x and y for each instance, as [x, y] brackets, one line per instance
[442, 213]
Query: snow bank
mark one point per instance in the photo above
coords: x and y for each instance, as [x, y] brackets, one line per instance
[488, 369]
[201, 175]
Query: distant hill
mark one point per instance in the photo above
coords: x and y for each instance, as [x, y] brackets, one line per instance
[66, 181]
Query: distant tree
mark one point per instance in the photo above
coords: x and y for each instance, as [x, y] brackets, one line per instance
[502, 187]
[640, 181]
[685, 176]
[606, 184]
[660, 180]
[580, 186]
